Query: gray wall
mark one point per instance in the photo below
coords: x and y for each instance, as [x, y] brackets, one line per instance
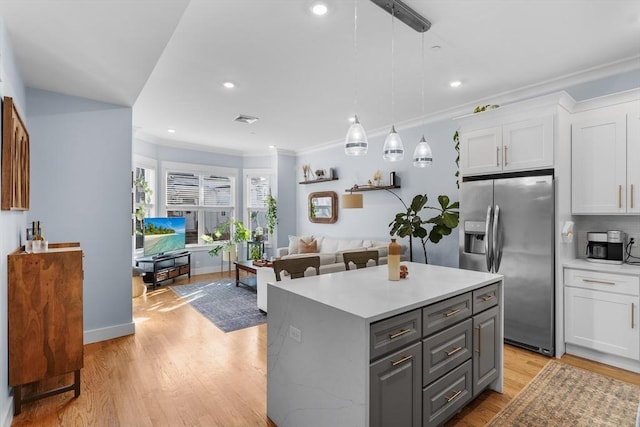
[380, 207]
[11, 222]
[81, 191]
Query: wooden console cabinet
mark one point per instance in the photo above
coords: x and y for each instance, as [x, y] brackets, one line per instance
[45, 318]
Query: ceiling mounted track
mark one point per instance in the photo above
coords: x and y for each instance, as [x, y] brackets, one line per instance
[405, 14]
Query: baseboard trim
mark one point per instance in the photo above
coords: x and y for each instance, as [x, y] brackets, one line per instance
[7, 416]
[103, 334]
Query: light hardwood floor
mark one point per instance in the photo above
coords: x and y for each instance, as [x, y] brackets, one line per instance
[180, 370]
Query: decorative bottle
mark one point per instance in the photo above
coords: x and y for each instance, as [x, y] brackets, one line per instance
[394, 260]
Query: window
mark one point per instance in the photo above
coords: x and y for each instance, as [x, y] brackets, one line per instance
[204, 196]
[144, 193]
[257, 189]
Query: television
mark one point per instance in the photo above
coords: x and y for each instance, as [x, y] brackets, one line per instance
[163, 235]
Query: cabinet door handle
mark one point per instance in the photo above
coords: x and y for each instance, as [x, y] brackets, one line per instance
[486, 298]
[602, 282]
[455, 394]
[497, 156]
[479, 350]
[399, 334]
[633, 307]
[631, 196]
[620, 196]
[505, 155]
[452, 312]
[404, 359]
[454, 351]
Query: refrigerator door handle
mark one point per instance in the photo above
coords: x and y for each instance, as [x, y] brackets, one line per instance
[488, 247]
[497, 240]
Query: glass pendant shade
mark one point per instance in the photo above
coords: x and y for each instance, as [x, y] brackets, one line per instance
[356, 144]
[422, 156]
[393, 151]
[351, 201]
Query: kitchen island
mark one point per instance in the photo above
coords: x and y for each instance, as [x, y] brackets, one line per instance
[354, 349]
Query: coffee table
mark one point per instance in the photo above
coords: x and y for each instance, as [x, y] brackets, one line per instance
[248, 267]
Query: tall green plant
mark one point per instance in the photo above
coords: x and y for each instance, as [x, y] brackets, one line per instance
[410, 224]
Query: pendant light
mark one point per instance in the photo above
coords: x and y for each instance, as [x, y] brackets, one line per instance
[392, 151]
[422, 156]
[355, 143]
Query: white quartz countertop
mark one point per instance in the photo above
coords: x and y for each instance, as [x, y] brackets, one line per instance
[368, 293]
[632, 270]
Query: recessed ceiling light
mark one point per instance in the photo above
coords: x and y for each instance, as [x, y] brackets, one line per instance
[272, 146]
[319, 9]
[352, 119]
[171, 130]
[229, 85]
[455, 83]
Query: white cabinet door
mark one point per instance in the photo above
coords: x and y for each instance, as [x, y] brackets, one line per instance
[598, 165]
[528, 144]
[602, 321]
[481, 151]
[633, 162]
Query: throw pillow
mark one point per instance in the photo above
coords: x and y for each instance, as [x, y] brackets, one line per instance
[308, 248]
[293, 243]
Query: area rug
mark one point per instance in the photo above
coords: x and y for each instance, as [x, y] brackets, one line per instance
[562, 395]
[226, 305]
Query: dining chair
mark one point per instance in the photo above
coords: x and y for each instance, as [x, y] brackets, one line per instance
[360, 258]
[296, 266]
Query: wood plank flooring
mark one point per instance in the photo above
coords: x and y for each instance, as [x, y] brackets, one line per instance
[180, 370]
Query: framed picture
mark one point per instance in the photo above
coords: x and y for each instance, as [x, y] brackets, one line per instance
[15, 159]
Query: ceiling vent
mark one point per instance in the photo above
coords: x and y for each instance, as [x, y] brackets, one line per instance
[243, 118]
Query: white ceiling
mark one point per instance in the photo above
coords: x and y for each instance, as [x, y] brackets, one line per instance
[298, 72]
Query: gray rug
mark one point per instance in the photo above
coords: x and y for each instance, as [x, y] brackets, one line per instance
[226, 305]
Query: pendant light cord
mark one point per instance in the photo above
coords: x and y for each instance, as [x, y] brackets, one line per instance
[355, 55]
[422, 65]
[392, 85]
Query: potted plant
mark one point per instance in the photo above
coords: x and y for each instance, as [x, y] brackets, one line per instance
[410, 224]
[238, 233]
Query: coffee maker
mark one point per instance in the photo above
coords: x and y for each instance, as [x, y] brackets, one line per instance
[606, 247]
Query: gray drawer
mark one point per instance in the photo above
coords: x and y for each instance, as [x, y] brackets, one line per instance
[438, 316]
[484, 298]
[446, 396]
[445, 350]
[391, 334]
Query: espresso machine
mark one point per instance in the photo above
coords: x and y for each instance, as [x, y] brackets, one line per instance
[606, 246]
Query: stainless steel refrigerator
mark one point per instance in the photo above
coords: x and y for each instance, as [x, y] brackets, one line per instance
[508, 228]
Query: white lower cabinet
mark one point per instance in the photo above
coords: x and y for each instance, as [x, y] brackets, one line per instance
[601, 315]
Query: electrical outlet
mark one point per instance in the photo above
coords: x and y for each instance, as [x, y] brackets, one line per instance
[295, 333]
[634, 250]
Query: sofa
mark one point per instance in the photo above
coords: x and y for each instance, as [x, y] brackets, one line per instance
[330, 250]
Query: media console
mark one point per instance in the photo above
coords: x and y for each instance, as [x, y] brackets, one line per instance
[164, 267]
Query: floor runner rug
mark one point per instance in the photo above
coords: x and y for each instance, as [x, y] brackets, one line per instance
[562, 395]
[226, 305]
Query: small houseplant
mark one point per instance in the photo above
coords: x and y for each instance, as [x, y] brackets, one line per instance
[410, 224]
[238, 233]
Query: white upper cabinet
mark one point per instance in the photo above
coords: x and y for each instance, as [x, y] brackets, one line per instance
[516, 137]
[518, 146]
[633, 162]
[605, 161]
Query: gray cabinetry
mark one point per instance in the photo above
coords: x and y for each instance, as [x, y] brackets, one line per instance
[395, 382]
[443, 398]
[486, 349]
[426, 382]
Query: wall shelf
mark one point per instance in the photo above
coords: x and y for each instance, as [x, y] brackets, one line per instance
[315, 181]
[371, 188]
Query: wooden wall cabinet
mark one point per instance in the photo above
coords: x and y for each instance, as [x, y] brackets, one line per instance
[45, 318]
